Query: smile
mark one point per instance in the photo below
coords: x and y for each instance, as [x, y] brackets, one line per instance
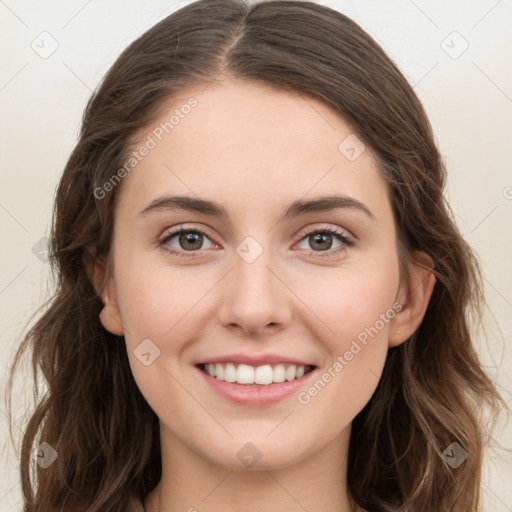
[263, 375]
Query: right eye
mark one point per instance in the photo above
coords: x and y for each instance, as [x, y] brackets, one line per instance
[187, 240]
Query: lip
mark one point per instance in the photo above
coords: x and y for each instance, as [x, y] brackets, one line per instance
[255, 395]
[255, 360]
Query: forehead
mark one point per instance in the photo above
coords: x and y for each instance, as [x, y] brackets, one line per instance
[250, 145]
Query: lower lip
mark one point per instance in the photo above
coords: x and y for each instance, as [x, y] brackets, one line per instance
[255, 394]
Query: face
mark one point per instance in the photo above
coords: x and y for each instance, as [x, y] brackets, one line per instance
[262, 283]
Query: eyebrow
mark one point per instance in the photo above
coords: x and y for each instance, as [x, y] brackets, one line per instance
[298, 207]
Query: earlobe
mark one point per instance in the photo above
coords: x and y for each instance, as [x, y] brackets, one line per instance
[414, 297]
[103, 282]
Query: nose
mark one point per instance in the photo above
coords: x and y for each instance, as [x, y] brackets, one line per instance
[255, 298]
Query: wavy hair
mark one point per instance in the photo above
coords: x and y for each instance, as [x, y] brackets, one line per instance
[433, 388]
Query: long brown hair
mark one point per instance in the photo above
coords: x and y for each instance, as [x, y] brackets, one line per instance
[433, 386]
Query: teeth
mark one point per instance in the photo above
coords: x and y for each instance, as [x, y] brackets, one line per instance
[246, 374]
[279, 373]
[291, 372]
[263, 375]
[230, 373]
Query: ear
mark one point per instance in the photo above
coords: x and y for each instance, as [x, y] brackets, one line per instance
[414, 295]
[103, 282]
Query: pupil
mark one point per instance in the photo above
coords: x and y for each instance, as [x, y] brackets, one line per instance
[322, 238]
[185, 238]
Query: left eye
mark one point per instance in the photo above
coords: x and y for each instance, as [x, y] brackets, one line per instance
[322, 241]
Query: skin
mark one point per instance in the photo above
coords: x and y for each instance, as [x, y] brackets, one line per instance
[254, 150]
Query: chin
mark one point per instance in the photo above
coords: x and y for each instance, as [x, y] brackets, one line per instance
[256, 455]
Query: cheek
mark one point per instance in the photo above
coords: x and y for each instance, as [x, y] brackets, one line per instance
[354, 299]
[357, 308]
[359, 317]
[162, 313]
[159, 302]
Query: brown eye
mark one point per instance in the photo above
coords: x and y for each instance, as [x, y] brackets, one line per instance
[190, 241]
[320, 242]
[183, 240]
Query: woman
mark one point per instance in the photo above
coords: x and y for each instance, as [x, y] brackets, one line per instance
[262, 297]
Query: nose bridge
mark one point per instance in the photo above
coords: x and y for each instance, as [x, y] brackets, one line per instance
[256, 297]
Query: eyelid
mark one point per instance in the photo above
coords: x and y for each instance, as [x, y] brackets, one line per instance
[328, 228]
[302, 233]
[170, 233]
[344, 236]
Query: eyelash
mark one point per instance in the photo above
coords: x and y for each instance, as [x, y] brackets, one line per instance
[341, 235]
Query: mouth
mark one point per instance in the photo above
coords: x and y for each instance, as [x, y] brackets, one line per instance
[247, 375]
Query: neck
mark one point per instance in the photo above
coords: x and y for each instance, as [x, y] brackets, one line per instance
[191, 483]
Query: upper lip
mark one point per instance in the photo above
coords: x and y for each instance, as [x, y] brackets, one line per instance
[254, 360]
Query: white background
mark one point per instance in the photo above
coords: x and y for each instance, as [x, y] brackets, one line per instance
[468, 99]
